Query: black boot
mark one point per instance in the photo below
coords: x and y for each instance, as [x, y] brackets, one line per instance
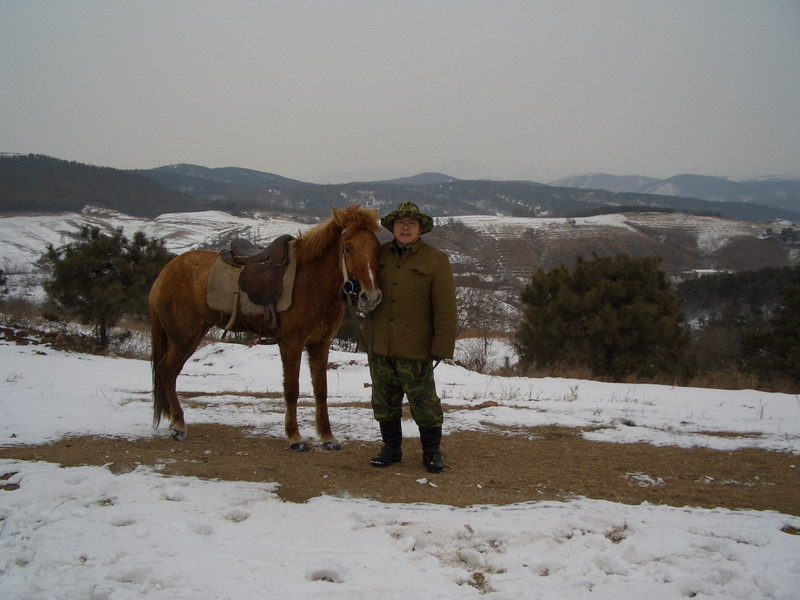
[431, 438]
[392, 451]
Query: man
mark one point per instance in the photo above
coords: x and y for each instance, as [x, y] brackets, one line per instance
[412, 329]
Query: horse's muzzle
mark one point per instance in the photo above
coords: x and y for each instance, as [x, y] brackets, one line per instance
[368, 300]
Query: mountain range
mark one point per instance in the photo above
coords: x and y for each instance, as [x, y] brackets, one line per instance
[443, 195]
[778, 192]
[46, 184]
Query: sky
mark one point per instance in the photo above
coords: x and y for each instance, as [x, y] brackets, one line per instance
[329, 92]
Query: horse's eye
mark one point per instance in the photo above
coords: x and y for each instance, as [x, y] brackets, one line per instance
[348, 249]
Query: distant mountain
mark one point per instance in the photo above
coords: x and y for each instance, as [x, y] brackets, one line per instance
[604, 181]
[437, 193]
[232, 175]
[783, 193]
[37, 183]
[423, 179]
[46, 184]
[444, 195]
[776, 192]
[226, 188]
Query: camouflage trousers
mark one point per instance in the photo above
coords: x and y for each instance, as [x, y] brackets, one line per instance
[394, 377]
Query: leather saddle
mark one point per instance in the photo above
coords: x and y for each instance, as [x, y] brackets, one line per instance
[261, 271]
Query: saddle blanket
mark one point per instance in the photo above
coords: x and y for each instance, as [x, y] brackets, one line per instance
[223, 291]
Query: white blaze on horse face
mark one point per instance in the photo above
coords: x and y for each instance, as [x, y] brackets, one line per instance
[371, 274]
[370, 296]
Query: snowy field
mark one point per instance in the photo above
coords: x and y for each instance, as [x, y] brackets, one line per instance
[86, 534]
[23, 239]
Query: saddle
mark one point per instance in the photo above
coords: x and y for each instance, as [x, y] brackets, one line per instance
[261, 271]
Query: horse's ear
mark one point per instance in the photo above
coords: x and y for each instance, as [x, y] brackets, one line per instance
[338, 216]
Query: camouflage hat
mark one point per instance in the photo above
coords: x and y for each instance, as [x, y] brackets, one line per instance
[408, 209]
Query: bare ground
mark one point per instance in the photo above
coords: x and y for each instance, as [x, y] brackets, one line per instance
[545, 463]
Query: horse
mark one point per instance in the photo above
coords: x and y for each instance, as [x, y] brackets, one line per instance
[341, 249]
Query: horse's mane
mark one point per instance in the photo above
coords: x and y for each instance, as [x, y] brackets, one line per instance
[315, 242]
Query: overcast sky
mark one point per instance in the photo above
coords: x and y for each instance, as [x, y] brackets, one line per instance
[330, 91]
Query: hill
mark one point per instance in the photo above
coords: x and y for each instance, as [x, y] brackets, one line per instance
[423, 179]
[779, 194]
[442, 195]
[35, 183]
[605, 181]
[44, 184]
[191, 178]
[776, 192]
[506, 251]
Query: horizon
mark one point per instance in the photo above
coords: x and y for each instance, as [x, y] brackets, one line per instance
[734, 178]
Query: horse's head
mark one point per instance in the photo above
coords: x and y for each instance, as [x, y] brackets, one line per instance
[360, 252]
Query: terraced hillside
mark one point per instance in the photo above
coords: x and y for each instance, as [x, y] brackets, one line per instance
[507, 250]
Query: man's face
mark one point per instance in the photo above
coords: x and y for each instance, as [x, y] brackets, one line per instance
[405, 230]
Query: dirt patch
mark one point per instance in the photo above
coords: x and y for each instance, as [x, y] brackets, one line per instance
[545, 463]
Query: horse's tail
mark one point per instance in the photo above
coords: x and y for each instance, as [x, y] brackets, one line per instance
[158, 348]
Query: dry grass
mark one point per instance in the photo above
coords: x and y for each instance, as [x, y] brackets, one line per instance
[505, 467]
[728, 379]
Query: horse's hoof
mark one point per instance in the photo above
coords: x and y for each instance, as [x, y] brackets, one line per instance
[334, 445]
[178, 436]
[300, 447]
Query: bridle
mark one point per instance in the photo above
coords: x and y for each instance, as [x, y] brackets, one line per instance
[350, 291]
[350, 286]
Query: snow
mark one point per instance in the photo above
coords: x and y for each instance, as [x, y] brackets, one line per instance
[23, 239]
[85, 533]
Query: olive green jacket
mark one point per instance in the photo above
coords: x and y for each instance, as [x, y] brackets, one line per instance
[417, 317]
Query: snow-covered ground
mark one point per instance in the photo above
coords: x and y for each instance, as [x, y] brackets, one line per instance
[23, 239]
[85, 533]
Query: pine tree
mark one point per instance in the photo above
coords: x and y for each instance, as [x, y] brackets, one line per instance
[99, 277]
[617, 316]
[777, 352]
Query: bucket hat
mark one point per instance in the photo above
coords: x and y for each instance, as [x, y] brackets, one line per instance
[408, 209]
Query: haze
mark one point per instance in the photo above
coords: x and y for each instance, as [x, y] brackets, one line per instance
[339, 91]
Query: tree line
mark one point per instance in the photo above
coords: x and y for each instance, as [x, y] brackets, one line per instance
[620, 318]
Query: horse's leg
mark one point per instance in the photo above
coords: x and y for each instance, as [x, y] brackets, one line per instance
[290, 357]
[170, 367]
[174, 351]
[318, 365]
[179, 318]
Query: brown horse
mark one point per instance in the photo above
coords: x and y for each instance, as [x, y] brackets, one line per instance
[342, 247]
